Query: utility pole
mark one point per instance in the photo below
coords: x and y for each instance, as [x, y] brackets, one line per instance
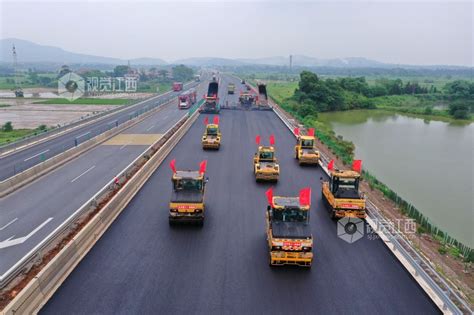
[18, 89]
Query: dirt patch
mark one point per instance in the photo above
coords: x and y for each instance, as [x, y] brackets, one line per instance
[24, 114]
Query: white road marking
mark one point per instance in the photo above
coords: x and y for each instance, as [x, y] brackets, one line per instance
[32, 157]
[84, 134]
[150, 127]
[4, 227]
[11, 241]
[83, 174]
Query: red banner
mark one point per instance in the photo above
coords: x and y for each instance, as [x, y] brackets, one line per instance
[272, 139]
[216, 120]
[257, 139]
[202, 167]
[311, 132]
[173, 165]
[331, 165]
[296, 131]
[206, 121]
[269, 194]
[305, 196]
[357, 166]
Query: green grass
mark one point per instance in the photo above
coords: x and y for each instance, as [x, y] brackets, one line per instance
[86, 101]
[10, 136]
[281, 90]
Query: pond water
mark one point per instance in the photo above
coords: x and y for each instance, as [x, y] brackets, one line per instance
[428, 163]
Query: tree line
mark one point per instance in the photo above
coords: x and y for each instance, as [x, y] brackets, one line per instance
[317, 95]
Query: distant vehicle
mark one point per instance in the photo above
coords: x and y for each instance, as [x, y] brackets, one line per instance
[187, 99]
[187, 198]
[211, 139]
[231, 88]
[248, 87]
[247, 100]
[289, 237]
[197, 78]
[265, 163]
[341, 193]
[262, 98]
[214, 78]
[305, 148]
[177, 86]
[211, 101]
[243, 81]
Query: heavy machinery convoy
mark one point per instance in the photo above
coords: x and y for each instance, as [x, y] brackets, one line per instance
[265, 163]
[341, 192]
[289, 237]
[187, 198]
[211, 139]
[262, 98]
[305, 148]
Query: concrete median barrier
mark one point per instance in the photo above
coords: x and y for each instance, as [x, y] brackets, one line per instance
[52, 275]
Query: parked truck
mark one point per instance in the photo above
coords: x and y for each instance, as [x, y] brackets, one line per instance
[211, 100]
[289, 237]
[187, 99]
[177, 86]
[187, 198]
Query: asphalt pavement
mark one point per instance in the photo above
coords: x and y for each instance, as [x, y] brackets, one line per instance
[141, 265]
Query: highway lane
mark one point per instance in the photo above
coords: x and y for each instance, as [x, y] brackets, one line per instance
[142, 265]
[19, 161]
[59, 193]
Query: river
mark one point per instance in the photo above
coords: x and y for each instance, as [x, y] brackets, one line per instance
[428, 163]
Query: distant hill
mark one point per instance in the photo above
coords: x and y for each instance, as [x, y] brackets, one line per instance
[305, 61]
[209, 61]
[29, 52]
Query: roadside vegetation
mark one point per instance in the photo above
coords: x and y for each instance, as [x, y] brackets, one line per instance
[9, 134]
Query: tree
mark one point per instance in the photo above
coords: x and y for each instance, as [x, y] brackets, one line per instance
[120, 71]
[8, 126]
[162, 73]
[64, 69]
[182, 73]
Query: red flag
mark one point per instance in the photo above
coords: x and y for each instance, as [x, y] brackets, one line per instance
[296, 131]
[311, 132]
[305, 196]
[216, 120]
[202, 167]
[272, 139]
[173, 165]
[257, 139]
[269, 194]
[331, 165]
[206, 120]
[357, 166]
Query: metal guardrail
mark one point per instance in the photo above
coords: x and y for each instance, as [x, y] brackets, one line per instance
[36, 254]
[452, 302]
[41, 136]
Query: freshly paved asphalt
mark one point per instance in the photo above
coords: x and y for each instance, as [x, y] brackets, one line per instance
[24, 159]
[141, 265]
[60, 193]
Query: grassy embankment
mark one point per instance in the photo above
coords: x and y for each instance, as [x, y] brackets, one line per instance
[16, 134]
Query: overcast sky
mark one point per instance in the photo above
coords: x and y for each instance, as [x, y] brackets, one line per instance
[397, 32]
